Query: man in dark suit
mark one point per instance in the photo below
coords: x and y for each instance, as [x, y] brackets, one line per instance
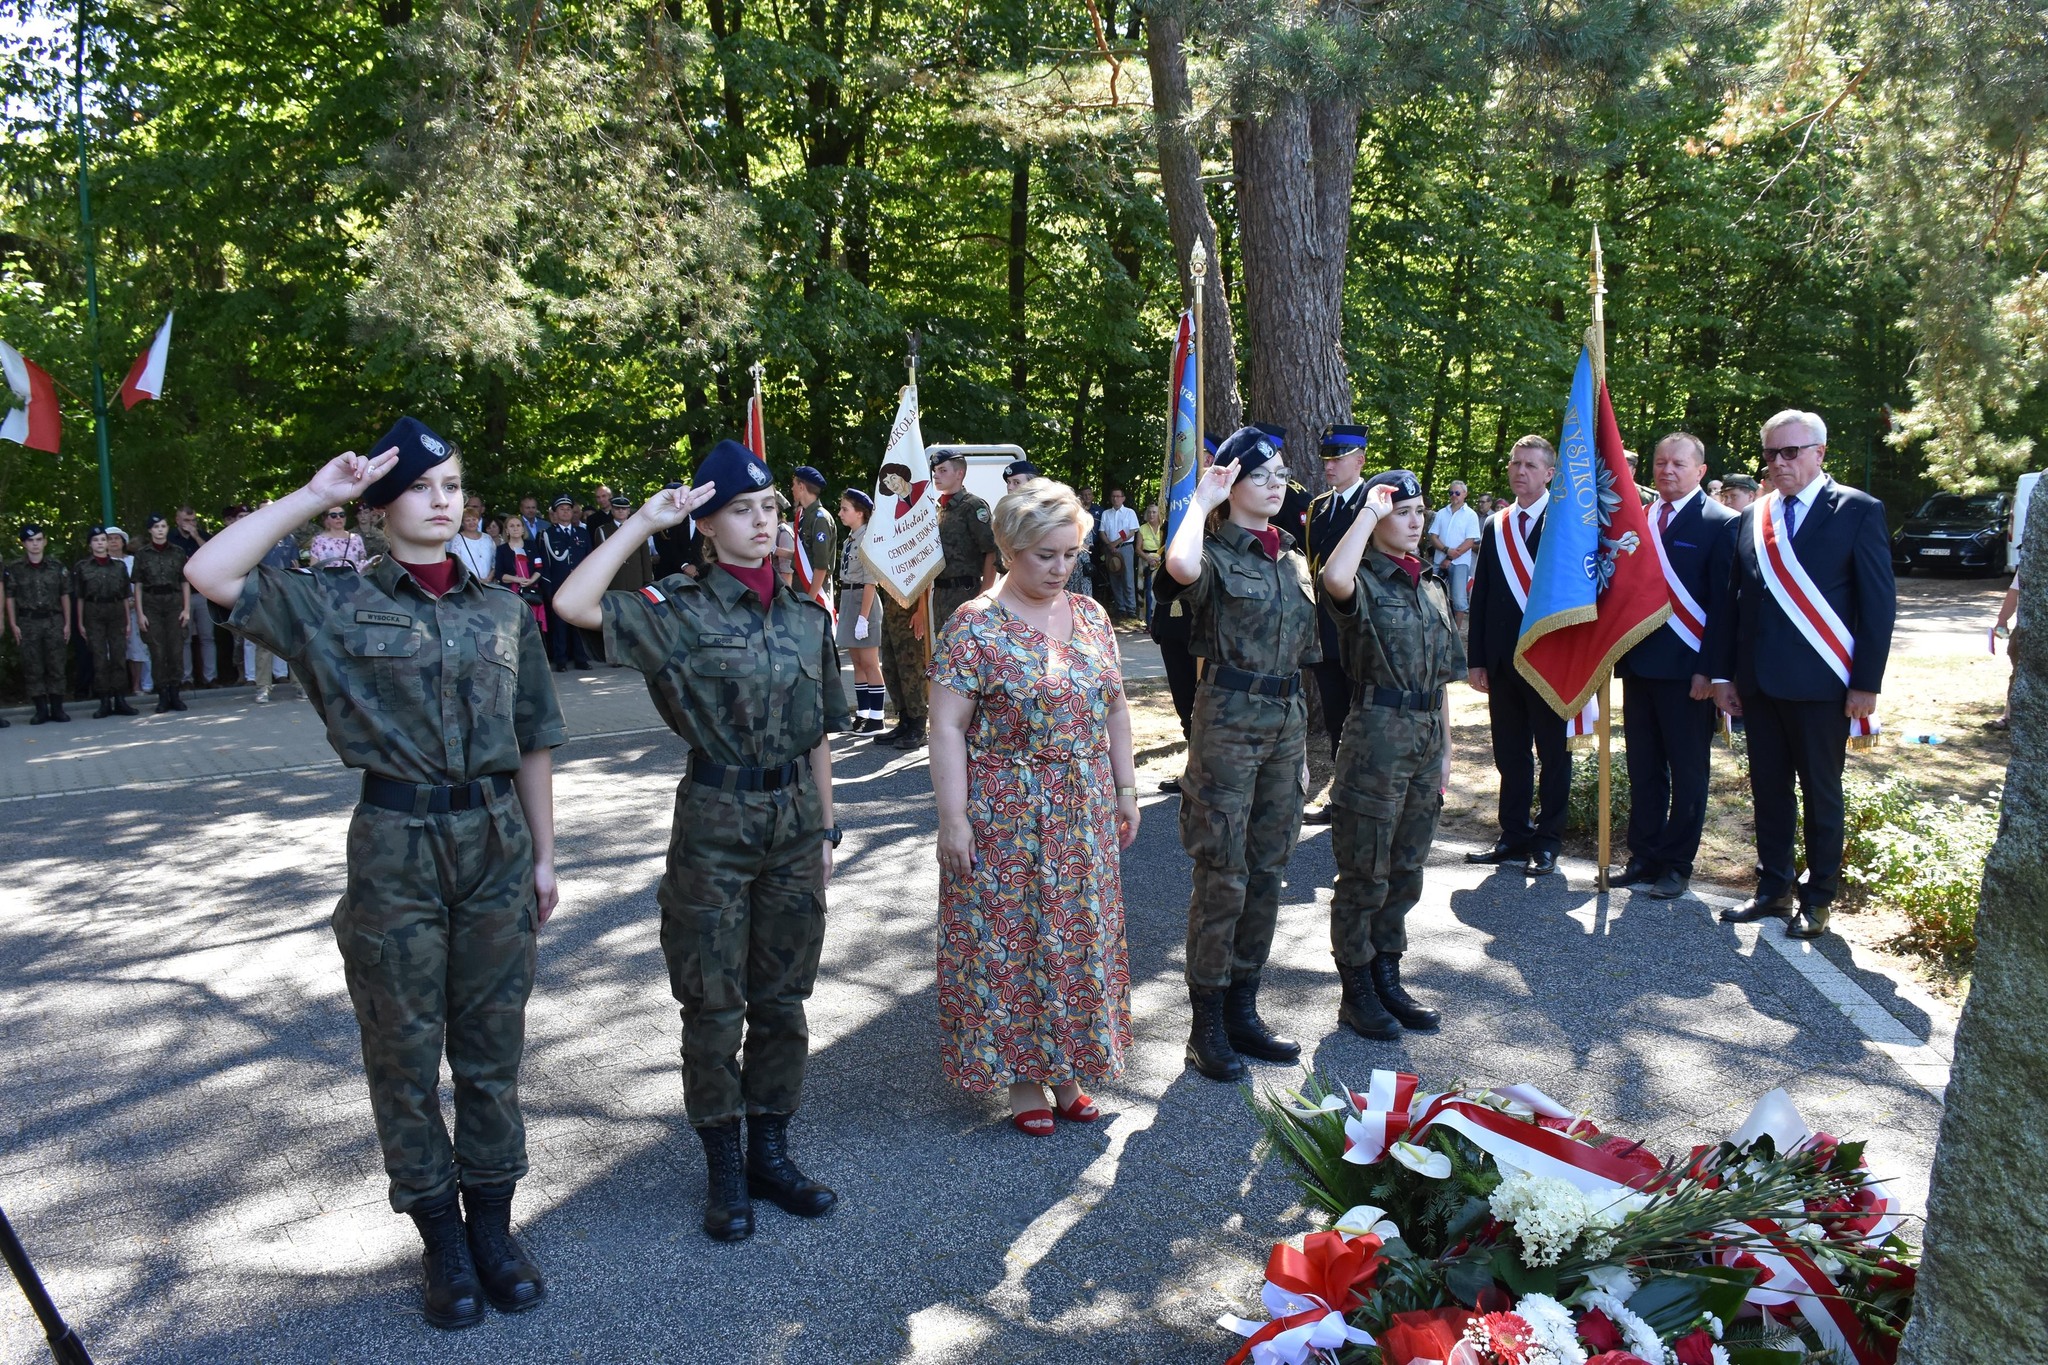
[1797, 683]
[1330, 515]
[1521, 720]
[1667, 701]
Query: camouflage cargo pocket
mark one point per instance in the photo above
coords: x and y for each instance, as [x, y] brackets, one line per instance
[383, 667]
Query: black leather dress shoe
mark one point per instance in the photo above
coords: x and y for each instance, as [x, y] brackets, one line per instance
[1668, 887]
[1635, 874]
[1171, 784]
[1810, 922]
[1541, 864]
[1756, 908]
[1499, 853]
[1319, 816]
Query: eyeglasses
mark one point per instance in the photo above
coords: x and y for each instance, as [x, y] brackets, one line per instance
[334, 516]
[1772, 453]
[1266, 478]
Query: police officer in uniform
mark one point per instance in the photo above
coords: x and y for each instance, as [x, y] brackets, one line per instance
[435, 685]
[966, 539]
[163, 609]
[39, 618]
[1330, 515]
[564, 544]
[746, 672]
[814, 529]
[1401, 648]
[101, 585]
[1253, 626]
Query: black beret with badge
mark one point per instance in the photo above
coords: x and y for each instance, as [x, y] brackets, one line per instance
[736, 470]
[809, 476]
[1248, 448]
[419, 449]
[1404, 484]
[1016, 467]
[30, 530]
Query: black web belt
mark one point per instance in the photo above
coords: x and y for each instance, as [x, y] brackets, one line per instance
[1401, 701]
[388, 793]
[727, 777]
[966, 580]
[1258, 684]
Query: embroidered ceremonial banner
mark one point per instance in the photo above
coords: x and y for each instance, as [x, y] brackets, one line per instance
[1184, 458]
[902, 544]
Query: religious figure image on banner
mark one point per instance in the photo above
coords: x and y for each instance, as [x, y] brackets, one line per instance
[902, 548]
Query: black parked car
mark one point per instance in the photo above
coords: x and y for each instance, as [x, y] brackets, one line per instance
[1951, 531]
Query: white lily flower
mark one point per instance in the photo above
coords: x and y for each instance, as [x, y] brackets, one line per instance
[1421, 1160]
[1297, 1104]
[1364, 1220]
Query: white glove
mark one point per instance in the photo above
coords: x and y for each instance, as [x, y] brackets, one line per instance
[860, 627]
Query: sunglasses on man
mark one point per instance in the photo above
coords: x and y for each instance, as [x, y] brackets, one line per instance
[1774, 453]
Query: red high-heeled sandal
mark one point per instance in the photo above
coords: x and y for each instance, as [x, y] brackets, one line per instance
[1033, 1122]
[1082, 1110]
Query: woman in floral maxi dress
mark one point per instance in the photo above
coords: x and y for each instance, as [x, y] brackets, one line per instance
[1031, 763]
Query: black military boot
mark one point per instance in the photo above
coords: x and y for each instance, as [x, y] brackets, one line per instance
[510, 1278]
[106, 706]
[770, 1170]
[452, 1295]
[1247, 1032]
[1209, 1050]
[888, 735]
[121, 706]
[910, 735]
[42, 715]
[57, 712]
[1386, 979]
[728, 1214]
[178, 699]
[163, 700]
[1361, 1010]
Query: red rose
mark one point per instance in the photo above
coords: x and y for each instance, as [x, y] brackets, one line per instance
[1893, 1277]
[1694, 1348]
[1598, 1331]
[1431, 1335]
[1617, 1358]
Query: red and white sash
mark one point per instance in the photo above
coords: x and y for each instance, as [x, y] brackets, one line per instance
[1688, 618]
[1790, 586]
[1517, 561]
[1586, 722]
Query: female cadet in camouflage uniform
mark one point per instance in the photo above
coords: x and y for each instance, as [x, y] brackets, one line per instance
[435, 685]
[102, 587]
[1253, 625]
[163, 608]
[1401, 650]
[747, 673]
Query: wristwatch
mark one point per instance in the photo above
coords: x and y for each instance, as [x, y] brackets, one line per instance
[834, 835]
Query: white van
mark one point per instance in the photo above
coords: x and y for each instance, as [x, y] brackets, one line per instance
[985, 465]
[2021, 496]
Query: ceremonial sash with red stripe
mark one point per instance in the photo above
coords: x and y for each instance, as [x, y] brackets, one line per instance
[1786, 579]
[1688, 618]
[1517, 564]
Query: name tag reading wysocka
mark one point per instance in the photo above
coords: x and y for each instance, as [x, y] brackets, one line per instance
[382, 618]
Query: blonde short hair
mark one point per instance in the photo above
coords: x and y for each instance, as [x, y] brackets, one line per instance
[1031, 511]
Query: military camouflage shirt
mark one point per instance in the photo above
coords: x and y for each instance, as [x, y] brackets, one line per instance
[1249, 611]
[965, 535]
[410, 687]
[1396, 633]
[38, 587]
[814, 533]
[743, 687]
[159, 571]
[98, 582]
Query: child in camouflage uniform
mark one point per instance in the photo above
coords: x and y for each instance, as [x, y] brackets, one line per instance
[437, 687]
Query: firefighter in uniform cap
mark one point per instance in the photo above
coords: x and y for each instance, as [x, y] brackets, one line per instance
[435, 685]
[1330, 515]
[163, 609]
[966, 539]
[39, 618]
[101, 586]
[564, 544]
[1253, 626]
[746, 672]
[1402, 651]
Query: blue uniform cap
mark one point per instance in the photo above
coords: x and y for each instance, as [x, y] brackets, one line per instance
[561, 500]
[1210, 441]
[859, 499]
[736, 470]
[946, 455]
[1016, 467]
[1274, 430]
[154, 519]
[1404, 484]
[1248, 448]
[419, 450]
[809, 476]
[1340, 440]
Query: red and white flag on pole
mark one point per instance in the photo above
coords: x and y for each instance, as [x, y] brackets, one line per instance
[146, 377]
[36, 422]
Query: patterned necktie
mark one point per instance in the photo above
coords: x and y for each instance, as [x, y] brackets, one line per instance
[1525, 525]
[1663, 520]
[1791, 516]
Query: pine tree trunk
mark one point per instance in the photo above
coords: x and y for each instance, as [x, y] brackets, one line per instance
[1295, 163]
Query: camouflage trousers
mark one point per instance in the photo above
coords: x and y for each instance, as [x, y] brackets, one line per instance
[43, 656]
[903, 661]
[947, 601]
[106, 635]
[742, 923]
[1240, 815]
[165, 637]
[1387, 796]
[437, 937]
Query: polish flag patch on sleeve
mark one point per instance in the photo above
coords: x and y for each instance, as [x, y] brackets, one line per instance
[654, 595]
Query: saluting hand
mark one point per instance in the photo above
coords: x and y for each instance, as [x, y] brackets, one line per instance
[1380, 498]
[674, 506]
[345, 477]
[1214, 488]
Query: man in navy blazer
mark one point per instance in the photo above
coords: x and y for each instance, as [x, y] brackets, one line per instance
[1520, 720]
[1796, 700]
[1667, 700]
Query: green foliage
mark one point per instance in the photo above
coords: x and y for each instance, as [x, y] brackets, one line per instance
[1924, 859]
[1582, 815]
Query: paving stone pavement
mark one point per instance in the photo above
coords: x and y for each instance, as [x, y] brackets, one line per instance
[185, 1140]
